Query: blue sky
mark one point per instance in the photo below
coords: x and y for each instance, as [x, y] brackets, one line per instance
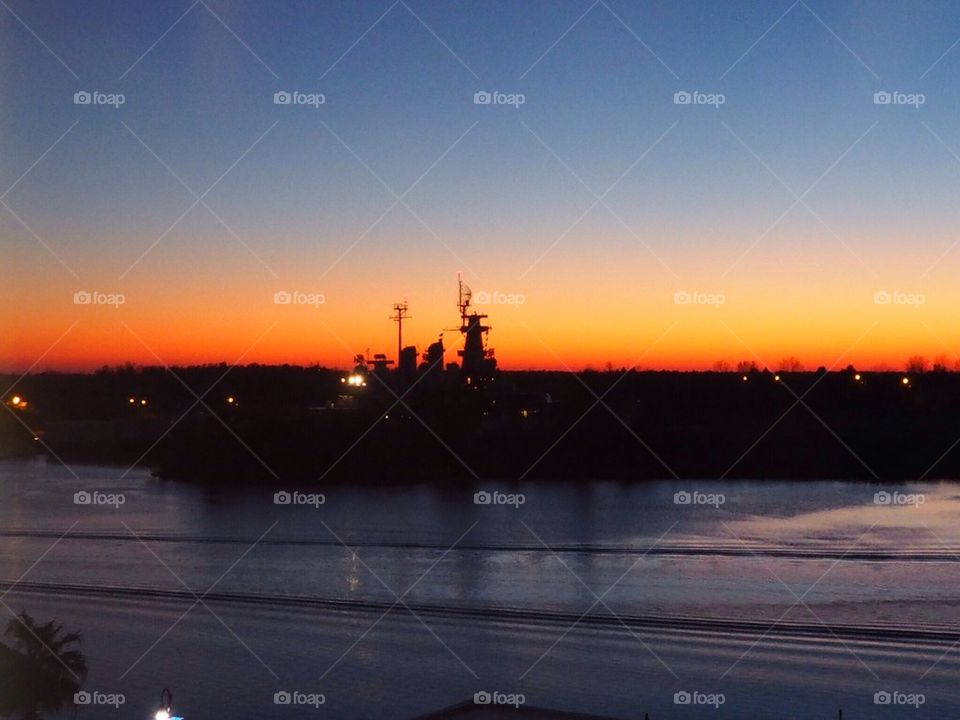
[497, 188]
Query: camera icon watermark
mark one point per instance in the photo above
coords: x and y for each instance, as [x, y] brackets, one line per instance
[298, 698]
[896, 697]
[495, 497]
[695, 297]
[695, 697]
[314, 500]
[295, 297]
[695, 497]
[899, 499]
[295, 97]
[84, 297]
[86, 697]
[495, 297]
[896, 297]
[495, 697]
[895, 97]
[695, 97]
[515, 100]
[95, 97]
[95, 497]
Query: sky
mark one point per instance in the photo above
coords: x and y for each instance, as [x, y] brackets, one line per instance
[786, 210]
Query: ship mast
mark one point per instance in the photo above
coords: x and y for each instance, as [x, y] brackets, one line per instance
[477, 363]
[399, 315]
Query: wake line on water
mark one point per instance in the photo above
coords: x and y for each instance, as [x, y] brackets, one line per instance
[601, 618]
[720, 549]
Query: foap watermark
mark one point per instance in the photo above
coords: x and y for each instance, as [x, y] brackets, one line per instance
[495, 697]
[95, 97]
[695, 497]
[96, 497]
[695, 697]
[314, 500]
[482, 97]
[295, 297]
[897, 297]
[495, 297]
[695, 297]
[295, 97]
[486, 497]
[899, 498]
[298, 698]
[895, 97]
[95, 697]
[695, 97]
[897, 697]
[85, 297]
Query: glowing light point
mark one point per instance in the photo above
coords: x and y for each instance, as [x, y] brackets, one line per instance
[231, 400]
[15, 399]
[143, 402]
[131, 400]
[905, 381]
[776, 378]
[166, 707]
[857, 377]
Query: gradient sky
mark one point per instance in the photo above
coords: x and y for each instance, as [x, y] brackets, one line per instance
[705, 199]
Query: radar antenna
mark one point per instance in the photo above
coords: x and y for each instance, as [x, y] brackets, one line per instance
[466, 294]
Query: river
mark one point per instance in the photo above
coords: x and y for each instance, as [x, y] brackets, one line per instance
[754, 599]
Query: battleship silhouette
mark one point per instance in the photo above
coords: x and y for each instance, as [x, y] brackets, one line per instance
[477, 370]
[418, 418]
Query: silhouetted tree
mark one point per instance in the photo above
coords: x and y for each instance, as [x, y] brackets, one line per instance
[746, 366]
[791, 364]
[917, 364]
[40, 670]
[941, 364]
[721, 366]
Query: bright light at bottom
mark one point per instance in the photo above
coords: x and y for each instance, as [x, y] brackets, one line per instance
[162, 715]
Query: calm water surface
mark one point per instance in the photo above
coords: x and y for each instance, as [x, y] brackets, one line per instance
[792, 600]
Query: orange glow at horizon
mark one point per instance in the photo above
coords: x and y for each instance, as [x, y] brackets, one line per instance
[562, 315]
[559, 336]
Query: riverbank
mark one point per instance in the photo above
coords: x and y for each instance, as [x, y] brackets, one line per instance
[282, 425]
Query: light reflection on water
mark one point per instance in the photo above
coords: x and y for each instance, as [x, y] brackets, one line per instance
[854, 563]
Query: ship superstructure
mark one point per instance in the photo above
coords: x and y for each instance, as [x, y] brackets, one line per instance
[477, 366]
